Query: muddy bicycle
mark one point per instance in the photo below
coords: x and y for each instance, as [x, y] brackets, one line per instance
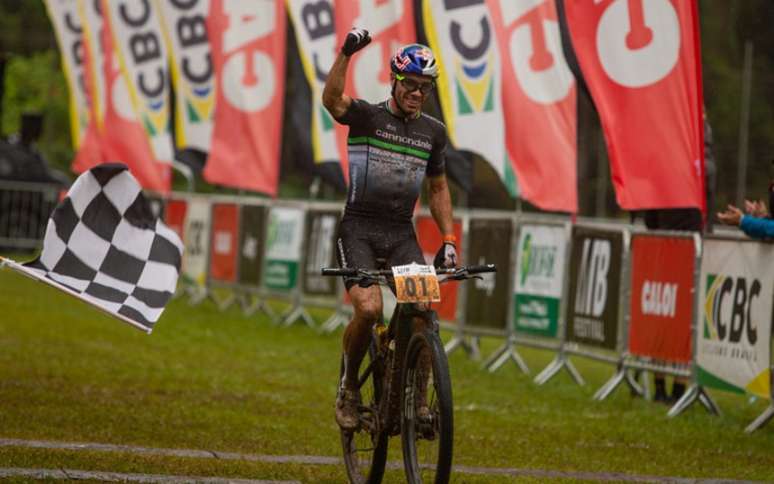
[404, 383]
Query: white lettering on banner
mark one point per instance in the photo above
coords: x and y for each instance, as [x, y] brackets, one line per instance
[76, 51]
[659, 298]
[638, 41]
[145, 48]
[379, 15]
[367, 68]
[513, 11]
[488, 281]
[119, 92]
[250, 247]
[249, 78]
[191, 32]
[591, 292]
[247, 21]
[587, 328]
[317, 19]
[222, 242]
[538, 61]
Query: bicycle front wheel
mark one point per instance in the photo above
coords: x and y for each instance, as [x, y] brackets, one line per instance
[365, 449]
[426, 411]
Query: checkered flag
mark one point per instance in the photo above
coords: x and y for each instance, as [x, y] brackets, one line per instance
[104, 244]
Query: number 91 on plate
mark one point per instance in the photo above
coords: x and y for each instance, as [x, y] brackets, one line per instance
[416, 283]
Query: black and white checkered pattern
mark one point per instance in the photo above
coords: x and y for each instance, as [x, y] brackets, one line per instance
[104, 243]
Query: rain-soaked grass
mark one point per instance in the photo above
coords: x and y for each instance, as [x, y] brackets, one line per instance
[224, 382]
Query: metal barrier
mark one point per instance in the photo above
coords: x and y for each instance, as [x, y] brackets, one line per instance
[24, 212]
[541, 246]
[594, 311]
[733, 334]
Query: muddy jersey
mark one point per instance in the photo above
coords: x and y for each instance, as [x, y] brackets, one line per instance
[389, 157]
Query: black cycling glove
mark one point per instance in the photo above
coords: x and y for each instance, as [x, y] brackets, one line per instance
[446, 256]
[356, 40]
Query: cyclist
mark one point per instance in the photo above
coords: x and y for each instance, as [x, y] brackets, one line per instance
[392, 146]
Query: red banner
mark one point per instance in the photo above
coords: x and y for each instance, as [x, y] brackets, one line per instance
[248, 54]
[641, 63]
[430, 240]
[391, 25]
[223, 247]
[123, 138]
[174, 216]
[539, 97]
[661, 306]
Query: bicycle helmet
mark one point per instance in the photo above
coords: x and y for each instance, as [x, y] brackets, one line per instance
[414, 59]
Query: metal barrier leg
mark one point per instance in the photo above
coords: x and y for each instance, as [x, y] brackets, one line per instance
[251, 304]
[556, 365]
[337, 320]
[761, 420]
[693, 393]
[505, 353]
[708, 402]
[606, 389]
[222, 304]
[470, 345]
[299, 312]
[196, 295]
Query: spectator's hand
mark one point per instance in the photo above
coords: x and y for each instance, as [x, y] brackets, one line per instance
[446, 256]
[732, 216]
[356, 40]
[756, 208]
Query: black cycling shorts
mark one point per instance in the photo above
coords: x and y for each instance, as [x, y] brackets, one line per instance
[362, 241]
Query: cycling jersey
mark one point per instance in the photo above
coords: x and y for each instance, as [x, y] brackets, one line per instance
[389, 156]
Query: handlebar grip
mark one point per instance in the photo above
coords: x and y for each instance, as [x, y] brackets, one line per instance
[336, 271]
[480, 269]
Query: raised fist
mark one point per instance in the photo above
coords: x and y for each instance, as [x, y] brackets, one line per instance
[356, 40]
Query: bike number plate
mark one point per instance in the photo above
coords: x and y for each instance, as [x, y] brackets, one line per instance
[416, 283]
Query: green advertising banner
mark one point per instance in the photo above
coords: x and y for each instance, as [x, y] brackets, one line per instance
[539, 279]
[321, 231]
[251, 242]
[487, 298]
[595, 282]
[284, 234]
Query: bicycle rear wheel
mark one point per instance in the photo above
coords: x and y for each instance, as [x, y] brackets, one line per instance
[428, 437]
[365, 449]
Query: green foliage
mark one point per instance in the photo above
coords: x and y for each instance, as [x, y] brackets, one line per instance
[224, 382]
[37, 84]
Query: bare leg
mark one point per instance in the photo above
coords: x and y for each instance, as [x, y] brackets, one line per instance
[367, 302]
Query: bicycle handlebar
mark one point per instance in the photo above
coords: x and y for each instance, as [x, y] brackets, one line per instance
[352, 272]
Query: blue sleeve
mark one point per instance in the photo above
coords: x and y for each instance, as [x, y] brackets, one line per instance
[759, 228]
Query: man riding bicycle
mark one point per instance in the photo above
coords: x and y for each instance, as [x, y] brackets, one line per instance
[392, 145]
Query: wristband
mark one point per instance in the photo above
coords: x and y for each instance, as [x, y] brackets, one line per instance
[450, 239]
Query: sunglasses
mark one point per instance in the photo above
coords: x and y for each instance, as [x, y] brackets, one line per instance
[411, 85]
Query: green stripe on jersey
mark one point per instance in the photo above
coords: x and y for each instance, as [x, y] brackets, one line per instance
[388, 146]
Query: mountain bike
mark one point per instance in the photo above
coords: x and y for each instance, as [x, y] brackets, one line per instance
[404, 383]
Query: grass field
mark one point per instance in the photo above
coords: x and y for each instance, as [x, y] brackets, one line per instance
[223, 382]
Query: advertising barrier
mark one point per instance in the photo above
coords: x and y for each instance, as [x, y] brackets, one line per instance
[487, 298]
[282, 256]
[595, 284]
[662, 297]
[196, 237]
[174, 215]
[251, 245]
[539, 280]
[735, 316]
[223, 246]
[321, 230]
[430, 240]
